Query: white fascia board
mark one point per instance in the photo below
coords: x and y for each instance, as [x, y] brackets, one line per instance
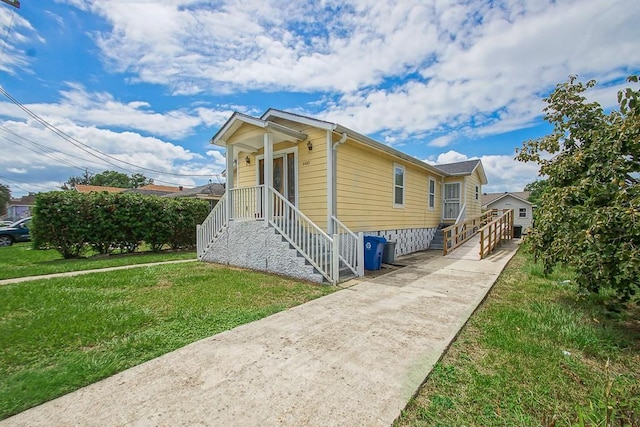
[334, 127]
[272, 112]
[218, 138]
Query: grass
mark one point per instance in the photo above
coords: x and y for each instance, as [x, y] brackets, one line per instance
[61, 334]
[536, 354]
[20, 260]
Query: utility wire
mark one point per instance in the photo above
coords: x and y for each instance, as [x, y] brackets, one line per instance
[85, 147]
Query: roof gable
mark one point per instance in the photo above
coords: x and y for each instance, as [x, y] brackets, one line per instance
[490, 198]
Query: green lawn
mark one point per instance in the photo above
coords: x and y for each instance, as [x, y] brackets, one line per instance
[21, 260]
[61, 334]
[536, 354]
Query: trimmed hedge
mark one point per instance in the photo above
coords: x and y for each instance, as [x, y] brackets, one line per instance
[72, 222]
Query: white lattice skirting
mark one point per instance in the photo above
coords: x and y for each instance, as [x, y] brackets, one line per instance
[407, 240]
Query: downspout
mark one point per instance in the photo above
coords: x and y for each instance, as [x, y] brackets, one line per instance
[334, 172]
[342, 140]
[331, 177]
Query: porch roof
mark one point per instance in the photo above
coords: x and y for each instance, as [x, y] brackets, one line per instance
[253, 142]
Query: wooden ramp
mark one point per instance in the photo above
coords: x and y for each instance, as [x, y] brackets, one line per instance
[469, 250]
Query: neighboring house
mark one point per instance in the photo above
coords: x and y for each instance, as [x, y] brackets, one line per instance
[212, 192]
[81, 188]
[294, 183]
[518, 201]
[22, 207]
[155, 190]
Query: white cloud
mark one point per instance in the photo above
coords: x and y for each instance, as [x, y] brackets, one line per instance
[39, 156]
[504, 173]
[18, 38]
[441, 141]
[17, 170]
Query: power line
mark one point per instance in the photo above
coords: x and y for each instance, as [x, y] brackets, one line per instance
[25, 183]
[86, 148]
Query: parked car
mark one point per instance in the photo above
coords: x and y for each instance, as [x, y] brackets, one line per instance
[16, 232]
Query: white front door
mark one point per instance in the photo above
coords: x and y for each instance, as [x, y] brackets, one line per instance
[451, 205]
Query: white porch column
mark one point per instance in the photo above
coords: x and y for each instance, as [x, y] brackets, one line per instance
[268, 177]
[229, 181]
[330, 184]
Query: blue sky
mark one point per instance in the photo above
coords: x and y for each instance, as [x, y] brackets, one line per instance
[149, 82]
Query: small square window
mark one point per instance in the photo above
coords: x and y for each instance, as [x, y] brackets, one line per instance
[522, 213]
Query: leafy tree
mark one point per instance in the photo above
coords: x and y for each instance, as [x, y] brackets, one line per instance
[536, 188]
[5, 197]
[589, 216]
[138, 180]
[78, 180]
[108, 178]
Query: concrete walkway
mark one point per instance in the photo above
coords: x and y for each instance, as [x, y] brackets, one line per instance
[352, 358]
[81, 272]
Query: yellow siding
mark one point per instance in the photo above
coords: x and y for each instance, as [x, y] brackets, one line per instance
[365, 191]
[311, 170]
[474, 206]
[244, 132]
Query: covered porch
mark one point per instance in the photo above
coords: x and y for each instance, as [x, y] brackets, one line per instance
[263, 162]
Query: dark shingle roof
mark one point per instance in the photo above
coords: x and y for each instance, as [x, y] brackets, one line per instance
[459, 168]
[204, 190]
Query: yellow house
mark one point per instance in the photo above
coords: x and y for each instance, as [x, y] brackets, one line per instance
[302, 193]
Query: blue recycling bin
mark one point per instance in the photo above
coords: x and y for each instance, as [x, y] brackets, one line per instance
[373, 247]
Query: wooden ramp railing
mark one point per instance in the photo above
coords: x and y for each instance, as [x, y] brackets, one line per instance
[458, 233]
[493, 233]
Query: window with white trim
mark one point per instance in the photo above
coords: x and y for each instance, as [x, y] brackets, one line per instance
[522, 213]
[477, 192]
[432, 194]
[398, 185]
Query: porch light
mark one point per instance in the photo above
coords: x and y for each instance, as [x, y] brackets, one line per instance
[309, 145]
[247, 160]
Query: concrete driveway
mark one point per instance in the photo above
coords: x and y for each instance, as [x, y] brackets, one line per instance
[354, 357]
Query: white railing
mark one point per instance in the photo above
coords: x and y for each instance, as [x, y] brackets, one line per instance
[323, 252]
[211, 226]
[247, 202]
[351, 247]
[320, 249]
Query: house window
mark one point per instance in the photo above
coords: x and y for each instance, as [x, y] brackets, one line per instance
[522, 213]
[451, 203]
[432, 194]
[477, 192]
[398, 185]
